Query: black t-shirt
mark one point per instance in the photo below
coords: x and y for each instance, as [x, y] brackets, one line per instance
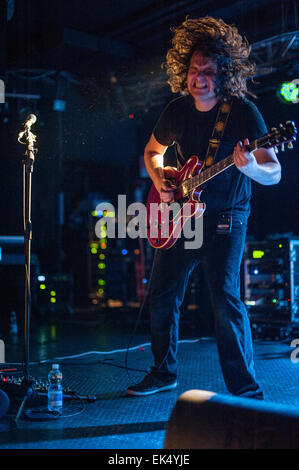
[189, 129]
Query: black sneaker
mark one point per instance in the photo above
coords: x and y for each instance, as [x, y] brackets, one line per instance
[150, 385]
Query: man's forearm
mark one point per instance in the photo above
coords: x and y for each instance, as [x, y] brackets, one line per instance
[154, 165]
[264, 173]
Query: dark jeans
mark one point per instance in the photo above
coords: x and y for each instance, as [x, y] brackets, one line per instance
[221, 257]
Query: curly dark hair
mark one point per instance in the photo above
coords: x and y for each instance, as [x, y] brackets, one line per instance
[220, 42]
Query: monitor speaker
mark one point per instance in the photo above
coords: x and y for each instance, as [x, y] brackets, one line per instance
[205, 420]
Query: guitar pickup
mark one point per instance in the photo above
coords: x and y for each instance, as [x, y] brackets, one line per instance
[185, 190]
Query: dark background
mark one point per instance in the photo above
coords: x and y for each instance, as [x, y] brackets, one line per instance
[103, 59]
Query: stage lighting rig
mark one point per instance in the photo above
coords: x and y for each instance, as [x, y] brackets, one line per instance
[288, 91]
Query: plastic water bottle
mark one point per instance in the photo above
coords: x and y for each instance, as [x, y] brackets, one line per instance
[55, 392]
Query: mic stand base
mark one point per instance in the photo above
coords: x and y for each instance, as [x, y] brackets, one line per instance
[32, 391]
[29, 395]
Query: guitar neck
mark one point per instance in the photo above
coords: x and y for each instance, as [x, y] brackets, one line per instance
[212, 171]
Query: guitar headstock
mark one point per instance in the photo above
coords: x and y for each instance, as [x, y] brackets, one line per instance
[284, 134]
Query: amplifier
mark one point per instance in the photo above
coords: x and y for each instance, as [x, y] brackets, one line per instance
[55, 293]
[271, 280]
[12, 252]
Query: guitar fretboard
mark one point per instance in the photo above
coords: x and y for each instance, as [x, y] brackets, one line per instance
[214, 170]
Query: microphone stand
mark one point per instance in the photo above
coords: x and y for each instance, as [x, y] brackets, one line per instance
[28, 383]
[28, 162]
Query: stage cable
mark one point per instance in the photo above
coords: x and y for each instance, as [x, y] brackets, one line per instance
[138, 321]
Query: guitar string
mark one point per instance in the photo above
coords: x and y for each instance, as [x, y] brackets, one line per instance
[228, 161]
[211, 172]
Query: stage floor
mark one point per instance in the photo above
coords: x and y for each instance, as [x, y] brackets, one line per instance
[114, 420]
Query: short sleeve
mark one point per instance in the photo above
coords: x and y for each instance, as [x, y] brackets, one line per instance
[252, 125]
[164, 129]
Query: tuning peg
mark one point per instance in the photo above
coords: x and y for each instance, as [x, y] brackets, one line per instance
[290, 145]
[275, 149]
[282, 147]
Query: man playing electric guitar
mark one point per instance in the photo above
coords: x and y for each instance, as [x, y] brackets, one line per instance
[208, 63]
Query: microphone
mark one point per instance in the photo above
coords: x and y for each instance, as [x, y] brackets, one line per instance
[31, 119]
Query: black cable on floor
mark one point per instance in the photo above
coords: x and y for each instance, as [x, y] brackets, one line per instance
[43, 414]
[137, 324]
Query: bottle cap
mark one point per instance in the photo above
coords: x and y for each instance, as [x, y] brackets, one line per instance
[55, 366]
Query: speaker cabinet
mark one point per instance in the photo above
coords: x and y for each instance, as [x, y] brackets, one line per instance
[205, 420]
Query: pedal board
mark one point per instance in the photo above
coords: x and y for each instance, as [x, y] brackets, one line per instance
[15, 387]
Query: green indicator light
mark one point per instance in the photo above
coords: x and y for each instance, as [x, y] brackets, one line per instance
[94, 213]
[274, 301]
[101, 282]
[101, 291]
[53, 293]
[257, 254]
[53, 300]
[42, 286]
[53, 332]
[101, 265]
[280, 245]
[94, 251]
[289, 91]
[102, 256]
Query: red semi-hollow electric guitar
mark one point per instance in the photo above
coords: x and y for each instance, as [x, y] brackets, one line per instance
[163, 230]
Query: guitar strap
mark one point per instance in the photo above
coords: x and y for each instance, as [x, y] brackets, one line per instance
[218, 131]
[224, 220]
